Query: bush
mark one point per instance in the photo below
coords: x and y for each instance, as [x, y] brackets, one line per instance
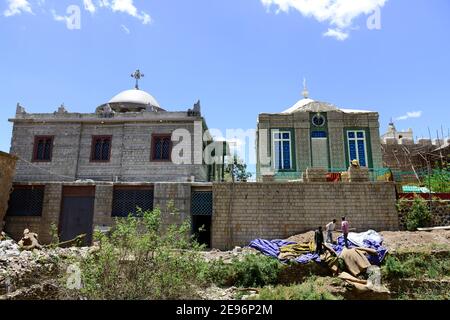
[417, 213]
[417, 266]
[252, 271]
[312, 289]
[139, 261]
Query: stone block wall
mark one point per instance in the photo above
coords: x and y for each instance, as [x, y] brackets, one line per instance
[103, 205]
[7, 170]
[130, 159]
[245, 211]
[41, 225]
[440, 214]
[179, 194]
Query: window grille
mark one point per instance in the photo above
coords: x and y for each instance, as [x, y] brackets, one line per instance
[126, 201]
[26, 201]
[202, 203]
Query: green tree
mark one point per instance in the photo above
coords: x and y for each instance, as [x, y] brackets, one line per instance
[236, 170]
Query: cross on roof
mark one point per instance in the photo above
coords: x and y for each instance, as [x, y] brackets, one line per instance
[137, 75]
[305, 91]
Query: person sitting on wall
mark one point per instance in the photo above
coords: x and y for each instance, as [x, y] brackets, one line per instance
[318, 239]
[355, 163]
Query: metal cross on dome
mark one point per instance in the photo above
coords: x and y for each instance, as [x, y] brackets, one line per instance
[137, 75]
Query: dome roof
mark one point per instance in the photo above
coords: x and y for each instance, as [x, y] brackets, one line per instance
[135, 96]
[309, 105]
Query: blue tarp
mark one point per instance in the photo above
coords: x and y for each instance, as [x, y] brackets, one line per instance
[269, 248]
[372, 244]
[272, 248]
[305, 258]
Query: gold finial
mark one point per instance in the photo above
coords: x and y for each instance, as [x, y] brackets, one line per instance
[305, 91]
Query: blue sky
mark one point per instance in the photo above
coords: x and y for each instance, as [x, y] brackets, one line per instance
[239, 57]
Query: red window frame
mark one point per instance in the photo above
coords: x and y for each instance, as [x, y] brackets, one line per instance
[153, 147]
[35, 148]
[93, 141]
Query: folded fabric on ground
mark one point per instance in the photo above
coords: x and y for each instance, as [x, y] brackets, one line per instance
[304, 252]
[359, 238]
[355, 260]
[269, 248]
[369, 239]
[292, 251]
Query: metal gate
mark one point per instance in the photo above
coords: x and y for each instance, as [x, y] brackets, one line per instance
[201, 210]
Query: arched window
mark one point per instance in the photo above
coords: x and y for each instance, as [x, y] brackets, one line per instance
[101, 148]
[161, 147]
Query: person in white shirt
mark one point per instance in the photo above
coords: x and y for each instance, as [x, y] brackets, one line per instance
[330, 228]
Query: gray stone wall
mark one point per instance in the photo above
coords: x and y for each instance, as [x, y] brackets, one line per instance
[103, 205]
[177, 194]
[130, 153]
[64, 153]
[276, 210]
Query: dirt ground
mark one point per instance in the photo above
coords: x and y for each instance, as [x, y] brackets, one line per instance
[398, 240]
[415, 241]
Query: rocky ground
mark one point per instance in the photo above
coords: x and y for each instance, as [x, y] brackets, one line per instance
[24, 271]
[31, 274]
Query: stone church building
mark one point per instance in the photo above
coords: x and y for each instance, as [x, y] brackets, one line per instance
[316, 134]
[80, 170]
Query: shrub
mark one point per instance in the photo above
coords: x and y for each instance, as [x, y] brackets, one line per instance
[252, 271]
[417, 266]
[417, 213]
[255, 270]
[139, 261]
[312, 289]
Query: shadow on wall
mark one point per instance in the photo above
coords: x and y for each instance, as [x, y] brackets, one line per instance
[7, 171]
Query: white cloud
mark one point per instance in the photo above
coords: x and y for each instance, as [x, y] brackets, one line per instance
[337, 34]
[17, 7]
[125, 29]
[409, 115]
[89, 6]
[57, 17]
[339, 14]
[128, 7]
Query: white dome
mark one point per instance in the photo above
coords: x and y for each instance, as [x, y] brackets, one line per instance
[135, 96]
